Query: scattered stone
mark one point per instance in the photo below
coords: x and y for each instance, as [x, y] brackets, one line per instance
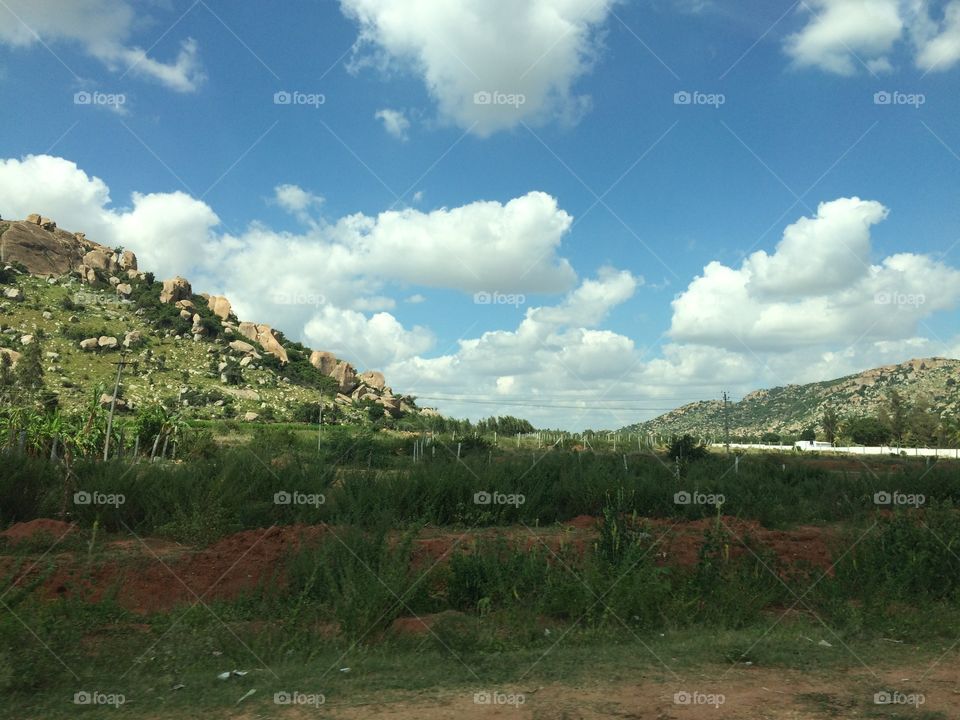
[26, 340]
[250, 416]
[47, 315]
[90, 344]
[108, 342]
[15, 294]
[125, 289]
[241, 346]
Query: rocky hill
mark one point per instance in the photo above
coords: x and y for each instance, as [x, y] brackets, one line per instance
[86, 304]
[788, 410]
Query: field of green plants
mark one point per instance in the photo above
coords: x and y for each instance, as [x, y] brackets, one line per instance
[522, 563]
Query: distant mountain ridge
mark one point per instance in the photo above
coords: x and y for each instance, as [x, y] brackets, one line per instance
[788, 410]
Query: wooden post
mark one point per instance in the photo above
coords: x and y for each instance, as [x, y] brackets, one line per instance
[113, 406]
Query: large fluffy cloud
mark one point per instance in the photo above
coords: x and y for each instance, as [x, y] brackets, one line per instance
[468, 51]
[817, 306]
[840, 36]
[103, 29]
[818, 287]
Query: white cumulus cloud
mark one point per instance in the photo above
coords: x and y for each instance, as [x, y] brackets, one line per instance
[103, 29]
[488, 64]
[394, 122]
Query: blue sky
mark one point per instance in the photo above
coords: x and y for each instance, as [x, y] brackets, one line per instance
[365, 224]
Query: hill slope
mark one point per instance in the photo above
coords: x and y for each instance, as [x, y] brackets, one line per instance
[85, 304]
[788, 410]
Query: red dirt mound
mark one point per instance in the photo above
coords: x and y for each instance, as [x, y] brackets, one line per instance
[37, 529]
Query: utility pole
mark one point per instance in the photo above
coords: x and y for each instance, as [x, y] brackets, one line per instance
[113, 407]
[726, 422]
[320, 426]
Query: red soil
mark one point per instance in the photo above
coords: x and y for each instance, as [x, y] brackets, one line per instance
[153, 575]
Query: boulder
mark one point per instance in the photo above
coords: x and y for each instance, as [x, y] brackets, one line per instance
[374, 379]
[128, 261]
[250, 416]
[246, 361]
[108, 342]
[175, 289]
[33, 219]
[15, 294]
[124, 289]
[269, 343]
[248, 330]
[13, 355]
[429, 412]
[390, 404]
[90, 344]
[184, 304]
[220, 306]
[241, 346]
[323, 361]
[114, 280]
[186, 315]
[26, 340]
[48, 224]
[47, 315]
[42, 252]
[106, 400]
[132, 338]
[345, 375]
[99, 259]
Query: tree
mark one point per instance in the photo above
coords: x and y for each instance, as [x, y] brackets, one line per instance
[686, 448]
[830, 424]
[29, 372]
[867, 431]
[809, 434]
[922, 423]
[894, 415]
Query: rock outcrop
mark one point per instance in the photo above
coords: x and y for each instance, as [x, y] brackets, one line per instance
[175, 289]
[220, 306]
